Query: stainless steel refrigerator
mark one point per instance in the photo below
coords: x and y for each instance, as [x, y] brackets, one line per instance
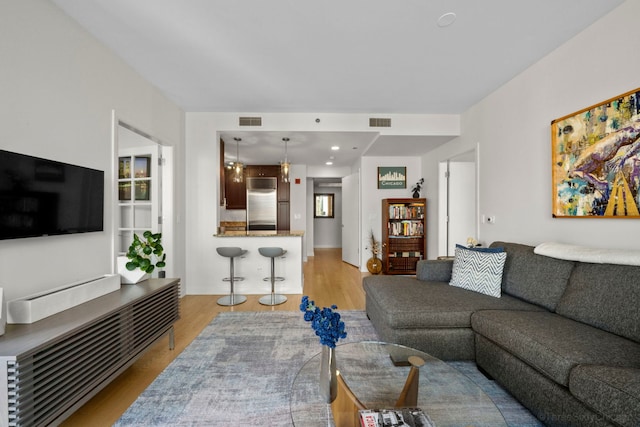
[262, 203]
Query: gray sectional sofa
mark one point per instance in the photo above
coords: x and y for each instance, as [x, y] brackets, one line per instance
[563, 338]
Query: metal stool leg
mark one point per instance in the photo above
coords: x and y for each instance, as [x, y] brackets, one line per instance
[273, 298]
[232, 298]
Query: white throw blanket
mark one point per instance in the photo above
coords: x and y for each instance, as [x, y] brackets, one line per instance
[592, 255]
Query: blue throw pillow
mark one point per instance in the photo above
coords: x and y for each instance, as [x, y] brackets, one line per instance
[479, 249]
[478, 271]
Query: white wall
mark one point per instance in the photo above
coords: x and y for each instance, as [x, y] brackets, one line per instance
[59, 87]
[512, 128]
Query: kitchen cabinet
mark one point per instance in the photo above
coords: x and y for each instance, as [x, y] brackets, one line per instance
[262, 170]
[283, 206]
[283, 216]
[235, 192]
[283, 191]
[404, 227]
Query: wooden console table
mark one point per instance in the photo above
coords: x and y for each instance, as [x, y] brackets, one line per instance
[50, 368]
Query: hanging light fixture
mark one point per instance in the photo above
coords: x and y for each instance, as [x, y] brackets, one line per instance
[284, 166]
[238, 167]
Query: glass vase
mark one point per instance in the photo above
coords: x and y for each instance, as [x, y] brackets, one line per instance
[328, 374]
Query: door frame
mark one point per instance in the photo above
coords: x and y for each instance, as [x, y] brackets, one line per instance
[166, 198]
[351, 206]
[472, 196]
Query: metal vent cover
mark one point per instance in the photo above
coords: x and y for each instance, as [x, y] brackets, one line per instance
[379, 122]
[250, 121]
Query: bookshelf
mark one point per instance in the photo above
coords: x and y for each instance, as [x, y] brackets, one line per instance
[404, 226]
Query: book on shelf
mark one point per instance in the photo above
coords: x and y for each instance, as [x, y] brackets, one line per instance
[406, 228]
[405, 254]
[399, 417]
[406, 212]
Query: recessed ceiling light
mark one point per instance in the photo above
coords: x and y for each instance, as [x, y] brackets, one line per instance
[446, 19]
[335, 148]
[329, 163]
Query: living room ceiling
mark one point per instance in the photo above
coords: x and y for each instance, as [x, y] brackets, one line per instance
[356, 56]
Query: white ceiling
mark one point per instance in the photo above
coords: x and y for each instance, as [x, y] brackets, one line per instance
[338, 56]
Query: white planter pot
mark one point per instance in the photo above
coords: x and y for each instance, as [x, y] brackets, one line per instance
[130, 277]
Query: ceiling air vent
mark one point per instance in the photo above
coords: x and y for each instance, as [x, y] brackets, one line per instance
[250, 121]
[379, 123]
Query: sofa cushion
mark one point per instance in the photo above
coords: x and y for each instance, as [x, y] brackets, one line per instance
[553, 344]
[613, 392]
[410, 303]
[534, 278]
[478, 271]
[434, 270]
[605, 296]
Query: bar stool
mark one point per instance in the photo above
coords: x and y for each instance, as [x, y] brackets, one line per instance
[231, 253]
[272, 298]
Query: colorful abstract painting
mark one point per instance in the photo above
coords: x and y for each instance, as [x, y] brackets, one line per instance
[596, 160]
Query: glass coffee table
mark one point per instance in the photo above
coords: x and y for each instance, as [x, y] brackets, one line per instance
[448, 396]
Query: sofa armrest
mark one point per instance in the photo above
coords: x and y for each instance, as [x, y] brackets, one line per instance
[434, 270]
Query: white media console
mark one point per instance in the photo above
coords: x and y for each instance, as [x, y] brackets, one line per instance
[50, 368]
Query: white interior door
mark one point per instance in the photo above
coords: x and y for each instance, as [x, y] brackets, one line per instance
[350, 219]
[457, 212]
[462, 206]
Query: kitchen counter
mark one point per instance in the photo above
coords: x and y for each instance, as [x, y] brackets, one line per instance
[255, 267]
[261, 233]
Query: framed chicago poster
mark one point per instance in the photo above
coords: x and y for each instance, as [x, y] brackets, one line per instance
[392, 177]
[596, 160]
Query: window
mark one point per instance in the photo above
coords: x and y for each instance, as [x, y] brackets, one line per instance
[323, 205]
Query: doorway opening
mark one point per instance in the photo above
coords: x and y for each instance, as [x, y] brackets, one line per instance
[458, 201]
[143, 190]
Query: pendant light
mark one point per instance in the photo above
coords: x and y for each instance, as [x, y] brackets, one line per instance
[284, 166]
[238, 168]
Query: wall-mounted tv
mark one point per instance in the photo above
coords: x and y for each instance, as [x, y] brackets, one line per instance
[40, 197]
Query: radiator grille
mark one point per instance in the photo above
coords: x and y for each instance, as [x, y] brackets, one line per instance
[45, 384]
[250, 121]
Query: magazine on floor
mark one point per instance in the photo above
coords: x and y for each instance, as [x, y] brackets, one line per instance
[404, 417]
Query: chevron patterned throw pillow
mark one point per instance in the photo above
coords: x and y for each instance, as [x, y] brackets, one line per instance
[478, 271]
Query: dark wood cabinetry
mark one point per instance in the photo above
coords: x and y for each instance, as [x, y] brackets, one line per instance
[283, 216]
[262, 170]
[404, 229]
[235, 192]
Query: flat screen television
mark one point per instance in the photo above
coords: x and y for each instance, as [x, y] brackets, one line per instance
[40, 197]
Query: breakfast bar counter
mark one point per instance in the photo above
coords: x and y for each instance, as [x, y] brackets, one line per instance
[261, 233]
[255, 267]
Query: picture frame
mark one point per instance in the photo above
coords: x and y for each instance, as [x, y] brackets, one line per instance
[392, 177]
[596, 160]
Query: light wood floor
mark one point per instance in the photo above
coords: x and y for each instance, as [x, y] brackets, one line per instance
[327, 280]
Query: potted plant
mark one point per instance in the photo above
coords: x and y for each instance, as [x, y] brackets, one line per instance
[144, 256]
[416, 188]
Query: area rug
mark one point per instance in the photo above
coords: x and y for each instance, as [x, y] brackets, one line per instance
[239, 371]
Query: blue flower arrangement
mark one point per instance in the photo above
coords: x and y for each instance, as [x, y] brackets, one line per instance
[325, 322]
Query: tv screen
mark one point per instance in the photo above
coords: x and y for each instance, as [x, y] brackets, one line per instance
[40, 197]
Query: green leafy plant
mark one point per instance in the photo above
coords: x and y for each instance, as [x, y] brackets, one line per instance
[143, 251]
